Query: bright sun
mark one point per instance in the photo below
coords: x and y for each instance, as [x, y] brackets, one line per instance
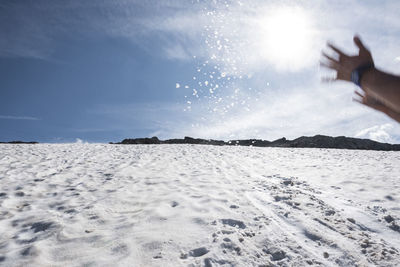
[286, 37]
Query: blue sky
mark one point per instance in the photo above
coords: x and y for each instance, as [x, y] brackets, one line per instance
[102, 71]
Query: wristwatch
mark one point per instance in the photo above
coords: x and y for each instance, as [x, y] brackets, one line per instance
[358, 72]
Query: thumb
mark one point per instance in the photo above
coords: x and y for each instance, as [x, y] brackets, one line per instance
[359, 44]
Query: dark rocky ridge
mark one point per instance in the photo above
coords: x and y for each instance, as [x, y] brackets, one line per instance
[18, 142]
[317, 141]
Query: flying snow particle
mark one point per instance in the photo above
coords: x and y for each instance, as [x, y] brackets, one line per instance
[177, 85]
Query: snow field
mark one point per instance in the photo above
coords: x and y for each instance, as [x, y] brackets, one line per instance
[193, 205]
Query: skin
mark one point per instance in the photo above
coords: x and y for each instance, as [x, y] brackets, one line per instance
[376, 85]
[372, 102]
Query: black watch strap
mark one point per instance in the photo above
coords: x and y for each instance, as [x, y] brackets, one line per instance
[358, 72]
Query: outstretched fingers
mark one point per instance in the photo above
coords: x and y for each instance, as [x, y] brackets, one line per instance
[329, 58]
[358, 100]
[337, 50]
[359, 94]
[330, 65]
[328, 79]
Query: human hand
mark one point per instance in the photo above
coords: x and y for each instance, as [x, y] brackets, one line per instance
[369, 101]
[344, 64]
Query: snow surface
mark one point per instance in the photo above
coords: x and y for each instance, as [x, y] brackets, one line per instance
[193, 205]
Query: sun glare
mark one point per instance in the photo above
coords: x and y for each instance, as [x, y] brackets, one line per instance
[286, 37]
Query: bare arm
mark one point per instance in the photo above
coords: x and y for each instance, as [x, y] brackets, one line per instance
[384, 86]
[392, 114]
[372, 102]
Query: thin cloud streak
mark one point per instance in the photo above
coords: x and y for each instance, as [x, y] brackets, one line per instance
[7, 117]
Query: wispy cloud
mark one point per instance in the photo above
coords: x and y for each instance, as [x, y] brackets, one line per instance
[7, 117]
[290, 113]
[33, 29]
[182, 27]
[382, 133]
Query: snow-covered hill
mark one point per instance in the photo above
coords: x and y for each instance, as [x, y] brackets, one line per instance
[180, 205]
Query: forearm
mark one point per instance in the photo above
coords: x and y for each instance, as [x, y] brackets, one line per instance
[391, 113]
[384, 86]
